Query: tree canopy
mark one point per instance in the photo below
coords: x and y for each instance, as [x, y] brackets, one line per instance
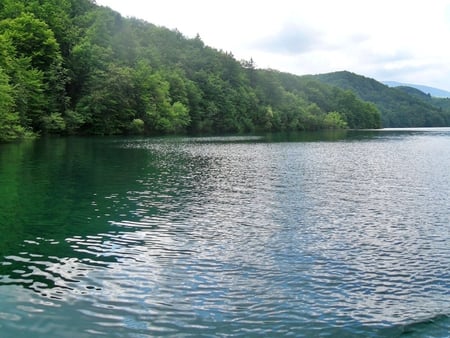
[399, 106]
[72, 67]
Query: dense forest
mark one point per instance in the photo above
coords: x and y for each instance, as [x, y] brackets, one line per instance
[443, 104]
[399, 106]
[73, 67]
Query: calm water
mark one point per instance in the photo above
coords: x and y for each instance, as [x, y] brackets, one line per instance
[306, 235]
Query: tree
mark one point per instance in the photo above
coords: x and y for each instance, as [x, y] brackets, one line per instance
[32, 38]
[37, 70]
[10, 128]
[154, 105]
[29, 100]
[334, 120]
[109, 106]
[70, 66]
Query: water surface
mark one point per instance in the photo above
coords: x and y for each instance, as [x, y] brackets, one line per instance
[343, 234]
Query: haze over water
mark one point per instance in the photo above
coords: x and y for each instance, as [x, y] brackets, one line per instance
[323, 234]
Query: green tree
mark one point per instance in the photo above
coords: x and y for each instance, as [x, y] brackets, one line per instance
[10, 128]
[70, 66]
[154, 105]
[38, 71]
[29, 99]
[109, 106]
[32, 38]
[334, 120]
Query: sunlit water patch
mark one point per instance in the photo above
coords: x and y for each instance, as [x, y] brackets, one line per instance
[346, 235]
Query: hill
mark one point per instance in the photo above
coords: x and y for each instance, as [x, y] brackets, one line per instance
[72, 67]
[435, 92]
[399, 107]
[443, 104]
[415, 93]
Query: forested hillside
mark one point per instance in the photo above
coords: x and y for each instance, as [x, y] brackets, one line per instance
[399, 107]
[443, 104]
[427, 90]
[72, 67]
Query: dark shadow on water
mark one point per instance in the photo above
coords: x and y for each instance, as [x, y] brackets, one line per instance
[307, 136]
[426, 327]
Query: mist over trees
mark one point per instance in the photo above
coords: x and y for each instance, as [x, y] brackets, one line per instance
[399, 106]
[72, 67]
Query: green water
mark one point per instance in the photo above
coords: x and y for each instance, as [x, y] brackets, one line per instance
[338, 234]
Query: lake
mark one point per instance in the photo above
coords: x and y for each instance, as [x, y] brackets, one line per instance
[338, 234]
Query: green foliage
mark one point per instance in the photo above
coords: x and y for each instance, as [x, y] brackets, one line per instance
[53, 123]
[34, 66]
[26, 82]
[108, 107]
[179, 117]
[74, 121]
[29, 93]
[334, 120]
[10, 128]
[399, 107]
[137, 126]
[31, 38]
[70, 66]
[303, 102]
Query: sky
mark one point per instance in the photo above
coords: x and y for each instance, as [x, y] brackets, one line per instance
[388, 40]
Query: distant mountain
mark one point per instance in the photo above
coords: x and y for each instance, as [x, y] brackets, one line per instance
[414, 92]
[436, 92]
[443, 104]
[399, 107]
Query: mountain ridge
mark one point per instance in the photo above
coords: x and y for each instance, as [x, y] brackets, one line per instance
[398, 107]
[433, 91]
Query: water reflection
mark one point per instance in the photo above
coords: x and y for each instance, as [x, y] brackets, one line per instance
[209, 237]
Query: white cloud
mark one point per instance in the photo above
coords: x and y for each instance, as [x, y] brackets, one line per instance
[292, 39]
[403, 39]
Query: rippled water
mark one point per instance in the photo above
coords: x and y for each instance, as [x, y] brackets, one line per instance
[336, 235]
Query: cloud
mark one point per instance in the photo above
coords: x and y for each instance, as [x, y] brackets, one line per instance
[413, 71]
[374, 38]
[292, 39]
[295, 39]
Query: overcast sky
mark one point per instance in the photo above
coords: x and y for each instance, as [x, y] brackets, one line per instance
[399, 40]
